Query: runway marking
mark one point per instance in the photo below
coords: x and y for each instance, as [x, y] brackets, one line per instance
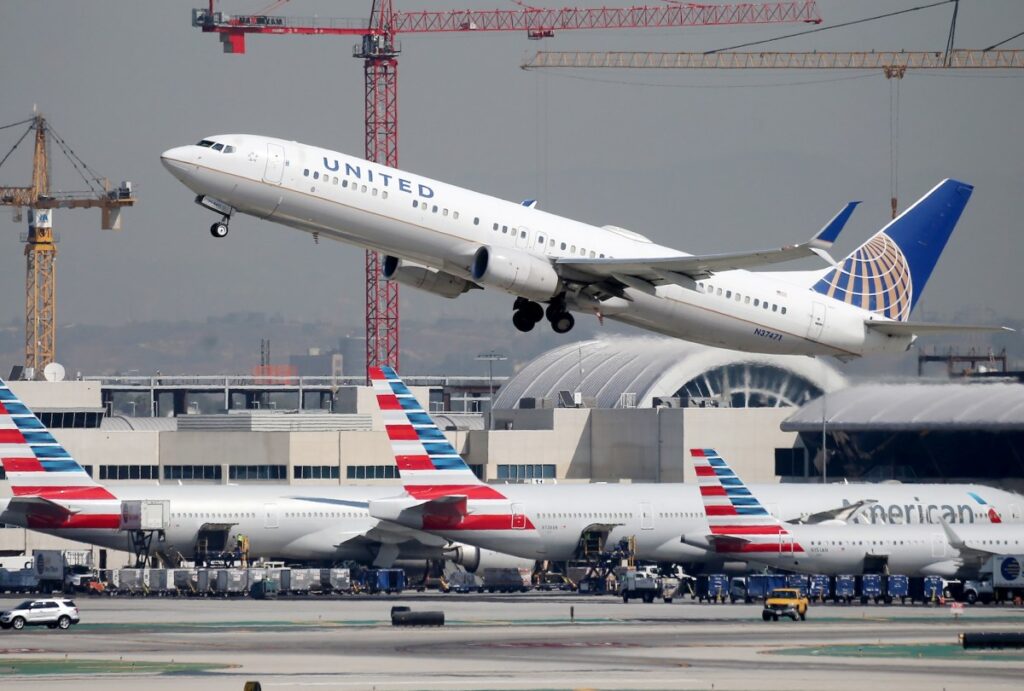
[931, 651]
[59, 666]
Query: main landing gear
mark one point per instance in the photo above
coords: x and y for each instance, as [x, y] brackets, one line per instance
[526, 314]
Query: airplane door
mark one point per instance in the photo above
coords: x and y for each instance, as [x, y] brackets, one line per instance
[785, 543]
[518, 517]
[270, 516]
[541, 244]
[938, 545]
[817, 320]
[523, 237]
[275, 163]
[646, 516]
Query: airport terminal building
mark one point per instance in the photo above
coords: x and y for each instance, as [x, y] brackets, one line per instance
[607, 410]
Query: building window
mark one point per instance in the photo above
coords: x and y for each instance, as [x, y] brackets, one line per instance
[527, 471]
[371, 472]
[193, 472]
[316, 472]
[129, 472]
[258, 472]
[71, 419]
[789, 462]
[477, 469]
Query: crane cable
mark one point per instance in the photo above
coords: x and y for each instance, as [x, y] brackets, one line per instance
[17, 143]
[79, 165]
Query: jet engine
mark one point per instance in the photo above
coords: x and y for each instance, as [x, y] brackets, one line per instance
[474, 559]
[515, 272]
[424, 278]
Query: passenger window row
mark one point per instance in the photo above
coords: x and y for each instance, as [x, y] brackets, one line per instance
[745, 299]
[344, 183]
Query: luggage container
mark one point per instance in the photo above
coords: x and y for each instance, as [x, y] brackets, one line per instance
[284, 580]
[184, 581]
[713, 587]
[161, 581]
[340, 580]
[872, 587]
[303, 580]
[231, 581]
[897, 587]
[819, 587]
[132, 580]
[846, 588]
[760, 584]
[206, 579]
[797, 580]
[264, 589]
[383, 580]
[926, 590]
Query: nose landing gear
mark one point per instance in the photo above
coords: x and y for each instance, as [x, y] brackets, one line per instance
[220, 228]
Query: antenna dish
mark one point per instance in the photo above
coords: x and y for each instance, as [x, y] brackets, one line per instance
[54, 372]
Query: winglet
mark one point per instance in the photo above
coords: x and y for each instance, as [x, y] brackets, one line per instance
[529, 203]
[827, 236]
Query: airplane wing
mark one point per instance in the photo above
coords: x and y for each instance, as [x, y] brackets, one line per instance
[843, 514]
[893, 328]
[977, 555]
[683, 269]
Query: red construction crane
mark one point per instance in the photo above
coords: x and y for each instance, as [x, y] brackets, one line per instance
[379, 53]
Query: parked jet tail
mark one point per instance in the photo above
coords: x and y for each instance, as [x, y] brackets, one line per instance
[429, 465]
[736, 519]
[887, 274]
[50, 488]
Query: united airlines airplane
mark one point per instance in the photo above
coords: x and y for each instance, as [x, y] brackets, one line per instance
[448, 240]
[546, 522]
[739, 527]
[53, 494]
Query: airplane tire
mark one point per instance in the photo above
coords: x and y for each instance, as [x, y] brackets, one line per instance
[563, 323]
[533, 311]
[219, 230]
[522, 321]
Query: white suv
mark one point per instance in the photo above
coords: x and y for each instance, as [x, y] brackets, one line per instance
[54, 613]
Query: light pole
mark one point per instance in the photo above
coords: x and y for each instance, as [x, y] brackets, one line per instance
[490, 358]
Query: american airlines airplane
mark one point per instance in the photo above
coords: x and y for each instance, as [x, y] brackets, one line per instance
[546, 522]
[739, 527]
[448, 240]
[53, 494]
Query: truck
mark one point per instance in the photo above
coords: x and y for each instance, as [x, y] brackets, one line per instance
[63, 569]
[637, 585]
[999, 579]
[785, 602]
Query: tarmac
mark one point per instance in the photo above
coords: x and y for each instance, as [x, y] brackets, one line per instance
[528, 641]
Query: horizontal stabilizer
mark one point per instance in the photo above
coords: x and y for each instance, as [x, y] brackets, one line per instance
[392, 508]
[38, 506]
[918, 328]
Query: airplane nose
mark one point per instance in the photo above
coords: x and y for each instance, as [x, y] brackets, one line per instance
[177, 161]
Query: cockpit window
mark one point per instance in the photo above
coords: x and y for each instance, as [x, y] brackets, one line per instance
[229, 149]
[218, 147]
[205, 142]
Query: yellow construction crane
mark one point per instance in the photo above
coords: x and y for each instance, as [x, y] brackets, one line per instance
[41, 241]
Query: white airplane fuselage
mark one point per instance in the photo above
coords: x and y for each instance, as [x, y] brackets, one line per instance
[911, 550]
[316, 523]
[427, 223]
[546, 521]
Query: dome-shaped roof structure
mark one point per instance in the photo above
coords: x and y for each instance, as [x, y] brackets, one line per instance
[623, 371]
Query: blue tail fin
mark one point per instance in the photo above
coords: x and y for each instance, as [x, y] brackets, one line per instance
[888, 273]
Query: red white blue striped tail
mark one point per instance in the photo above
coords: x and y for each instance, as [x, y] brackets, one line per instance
[737, 520]
[429, 465]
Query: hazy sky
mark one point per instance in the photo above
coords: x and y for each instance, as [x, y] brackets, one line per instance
[700, 161]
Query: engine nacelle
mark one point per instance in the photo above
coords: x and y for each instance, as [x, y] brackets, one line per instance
[515, 272]
[424, 278]
[474, 559]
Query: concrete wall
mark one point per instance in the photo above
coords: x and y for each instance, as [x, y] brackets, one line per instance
[745, 437]
[64, 395]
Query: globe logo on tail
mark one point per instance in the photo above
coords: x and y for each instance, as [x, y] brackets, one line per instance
[876, 277]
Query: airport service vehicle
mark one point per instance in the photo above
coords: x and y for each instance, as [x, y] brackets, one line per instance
[739, 526]
[785, 602]
[447, 240]
[1000, 579]
[53, 494]
[637, 585]
[548, 522]
[53, 613]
